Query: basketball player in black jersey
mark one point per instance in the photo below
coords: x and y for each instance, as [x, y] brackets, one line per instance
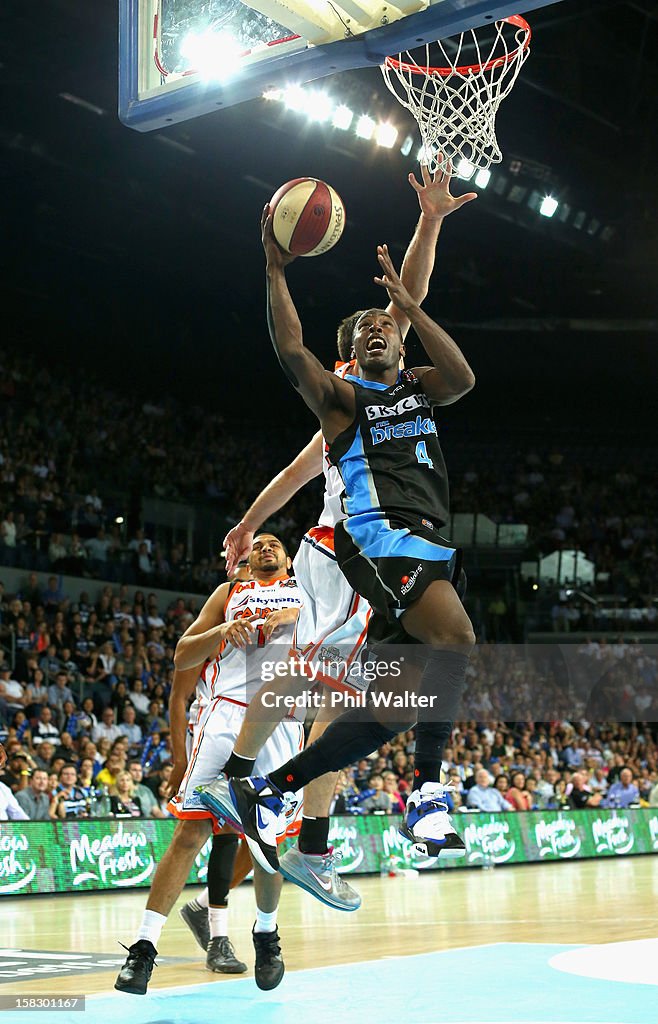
[383, 438]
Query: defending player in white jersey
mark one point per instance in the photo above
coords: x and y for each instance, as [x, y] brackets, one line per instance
[212, 655]
[333, 615]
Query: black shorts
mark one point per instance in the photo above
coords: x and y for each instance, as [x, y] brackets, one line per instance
[391, 564]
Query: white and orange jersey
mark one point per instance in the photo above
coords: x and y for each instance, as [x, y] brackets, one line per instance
[332, 511]
[237, 675]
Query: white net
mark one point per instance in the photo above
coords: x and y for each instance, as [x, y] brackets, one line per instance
[454, 88]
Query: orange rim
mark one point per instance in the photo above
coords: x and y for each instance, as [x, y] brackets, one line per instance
[418, 69]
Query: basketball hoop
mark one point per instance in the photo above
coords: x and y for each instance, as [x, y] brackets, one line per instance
[456, 104]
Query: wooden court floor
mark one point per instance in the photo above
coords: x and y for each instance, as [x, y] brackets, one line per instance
[597, 901]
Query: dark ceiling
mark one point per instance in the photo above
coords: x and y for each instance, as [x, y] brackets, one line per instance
[140, 253]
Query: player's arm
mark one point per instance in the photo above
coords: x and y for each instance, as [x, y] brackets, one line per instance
[450, 377]
[201, 640]
[182, 688]
[436, 203]
[305, 467]
[323, 392]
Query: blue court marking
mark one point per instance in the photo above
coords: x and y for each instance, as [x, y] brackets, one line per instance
[505, 983]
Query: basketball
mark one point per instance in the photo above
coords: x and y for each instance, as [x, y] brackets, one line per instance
[308, 216]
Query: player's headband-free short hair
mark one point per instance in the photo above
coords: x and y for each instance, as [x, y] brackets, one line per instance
[266, 533]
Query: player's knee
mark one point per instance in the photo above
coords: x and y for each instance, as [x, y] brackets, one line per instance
[459, 635]
[191, 832]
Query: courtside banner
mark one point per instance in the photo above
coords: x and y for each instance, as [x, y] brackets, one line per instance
[92, 855]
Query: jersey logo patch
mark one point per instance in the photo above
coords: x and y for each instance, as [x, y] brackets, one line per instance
[406, 404]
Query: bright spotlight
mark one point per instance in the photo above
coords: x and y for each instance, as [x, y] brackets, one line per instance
[386, 135]
[535, 586]
[548, 206]
[482, 178]
[273, 94]
[365, 127]
[465, 169]
[343, 117]
[118, 520]
[214, 55]
[426, 155]
[295, 98]
[319, 107]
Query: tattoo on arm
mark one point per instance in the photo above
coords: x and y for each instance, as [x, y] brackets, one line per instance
[270, 324]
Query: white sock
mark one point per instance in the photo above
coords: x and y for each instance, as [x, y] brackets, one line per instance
[218, 921]
[201, 900]
[265, 922]
[151, 926]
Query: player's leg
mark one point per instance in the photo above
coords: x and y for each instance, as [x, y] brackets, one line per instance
[168, 882]
[311, 862]
[221, 956]
[438, 621]
[269, 968]
[195, 912]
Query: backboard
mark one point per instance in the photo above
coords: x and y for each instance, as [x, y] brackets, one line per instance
[179, 59]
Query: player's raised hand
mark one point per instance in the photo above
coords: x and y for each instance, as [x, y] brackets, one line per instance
[282, 617]
[276, 256]
[390, 280]
[434, 196]
[237, 546]
[239, 633]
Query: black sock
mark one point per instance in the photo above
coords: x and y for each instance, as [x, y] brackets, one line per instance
[239, 767]
[443, 678]
[220, 868]
[314, 835]
[355, 734]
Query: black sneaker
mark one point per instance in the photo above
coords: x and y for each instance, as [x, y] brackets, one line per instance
[270, 968]
[221, 957]
[197, 922]
[256, 803]
[136, 973]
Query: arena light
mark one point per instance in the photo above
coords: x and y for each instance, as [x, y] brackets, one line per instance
[426, 154]
[118, 520]
[343, 117]
[482, 178]
[548, 206]
[319, 106]
[295, 98]
[465, 169]
[386, 135]
[273, 94]
[365, 127]
[214, 55]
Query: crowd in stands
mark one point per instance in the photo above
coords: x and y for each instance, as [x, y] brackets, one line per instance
[60, 458]
[84, 718]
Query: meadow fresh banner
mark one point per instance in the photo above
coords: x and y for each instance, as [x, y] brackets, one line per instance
[88, 855]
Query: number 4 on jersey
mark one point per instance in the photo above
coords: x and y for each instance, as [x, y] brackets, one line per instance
[422, 456]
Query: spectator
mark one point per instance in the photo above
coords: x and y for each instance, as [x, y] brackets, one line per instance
[107, 776]
[375, 798]
[106, 729]
[398, 804]
[68, 800]
[44, 755]
[59, 692]
[11, 691]
[623, 793]
[580, 795]
[147, 799]
[517, 795]
[45, 728]
[36, 692]
[139, 698]
[35, 800]
[155, 722]
[129, 727]
[484, 797]
[124, 802]
[10, 809]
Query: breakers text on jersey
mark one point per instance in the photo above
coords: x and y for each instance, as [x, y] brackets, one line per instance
[410, 428]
